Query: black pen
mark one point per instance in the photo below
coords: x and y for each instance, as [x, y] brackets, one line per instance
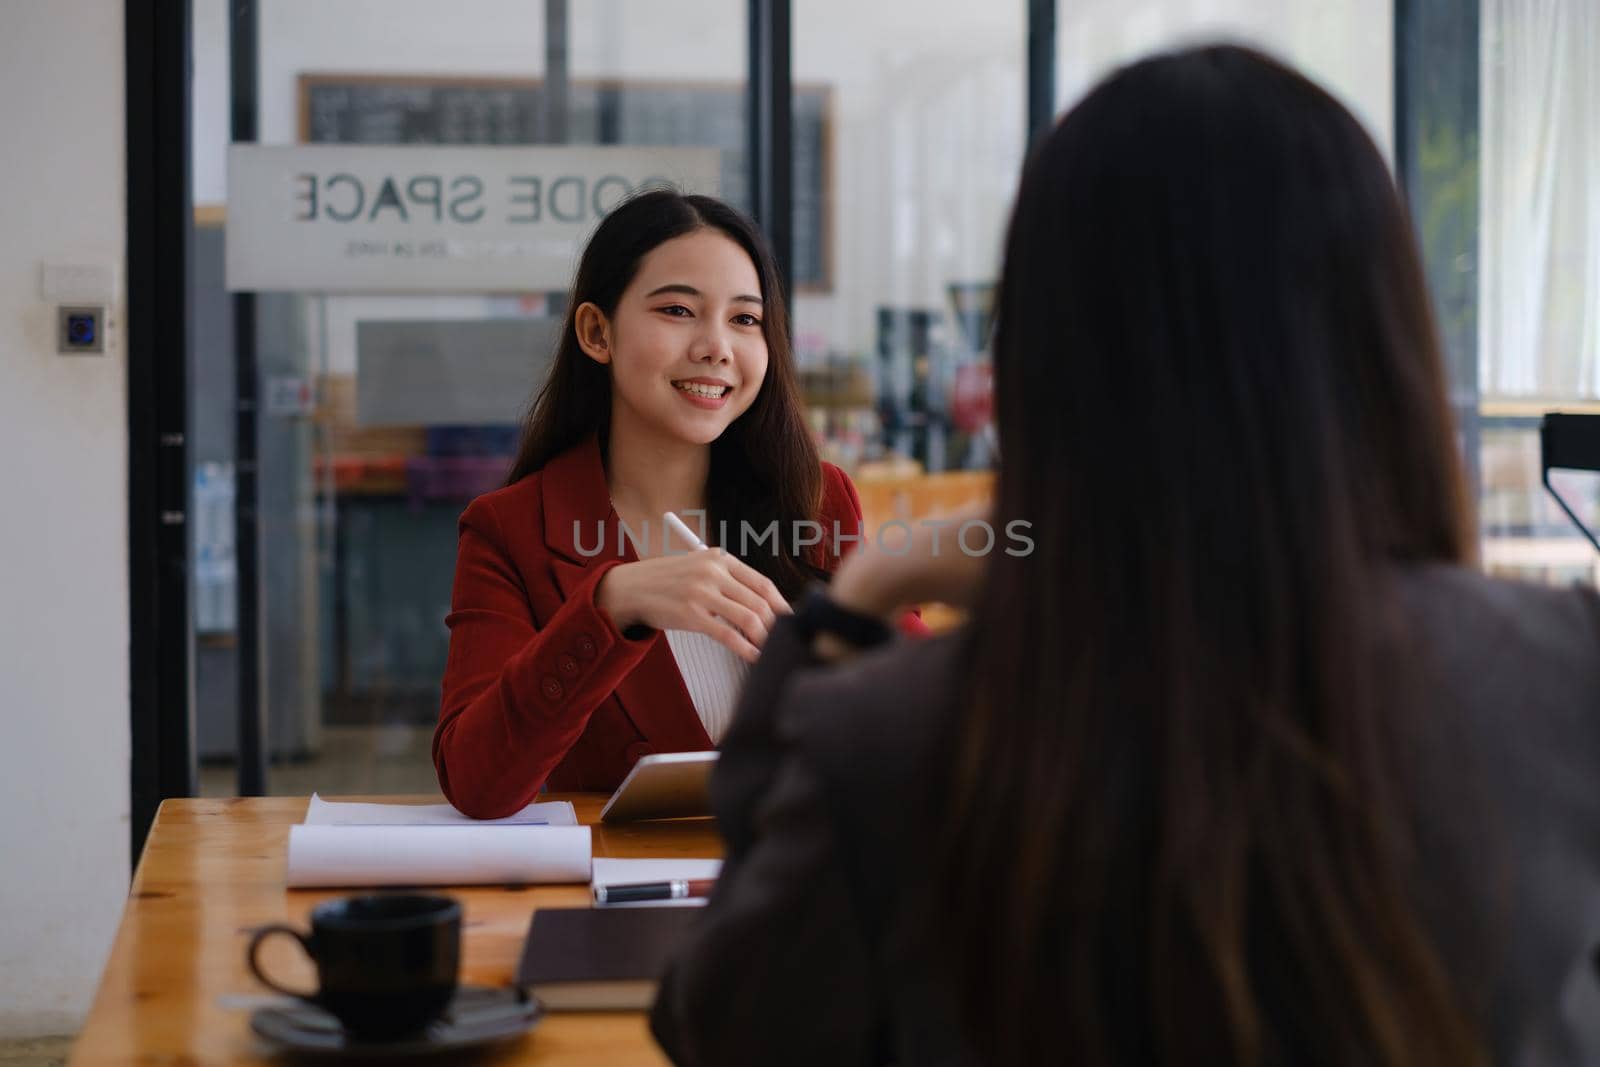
[633, 892]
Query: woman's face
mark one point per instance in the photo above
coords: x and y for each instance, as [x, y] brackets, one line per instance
[685, 346]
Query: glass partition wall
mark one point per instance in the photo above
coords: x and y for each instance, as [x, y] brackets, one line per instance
[1491, 127]
[380, 415]
[908, 135]
[921, 158]
[1536, 176]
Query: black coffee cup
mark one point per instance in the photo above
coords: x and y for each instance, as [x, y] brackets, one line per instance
[386, 964]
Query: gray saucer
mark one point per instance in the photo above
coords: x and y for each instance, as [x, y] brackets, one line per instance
[477, 1016]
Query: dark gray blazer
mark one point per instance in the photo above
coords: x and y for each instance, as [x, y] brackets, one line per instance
[823, 787]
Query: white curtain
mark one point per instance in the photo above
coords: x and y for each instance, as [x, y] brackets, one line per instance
[1539, 301]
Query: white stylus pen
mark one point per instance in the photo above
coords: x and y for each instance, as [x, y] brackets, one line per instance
[681, 528]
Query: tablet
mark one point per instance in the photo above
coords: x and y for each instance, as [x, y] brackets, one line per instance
[667, 785]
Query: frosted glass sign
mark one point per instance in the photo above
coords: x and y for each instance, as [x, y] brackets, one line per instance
[357, 218]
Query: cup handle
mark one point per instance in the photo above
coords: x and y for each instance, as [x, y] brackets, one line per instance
[261, 934]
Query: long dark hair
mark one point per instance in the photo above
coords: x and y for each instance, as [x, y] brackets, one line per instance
[765, 467]
[1178, 827]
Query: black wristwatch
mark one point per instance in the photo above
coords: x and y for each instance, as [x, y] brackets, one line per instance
[819, 614]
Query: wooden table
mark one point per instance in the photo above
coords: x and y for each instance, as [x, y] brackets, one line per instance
[214, 869]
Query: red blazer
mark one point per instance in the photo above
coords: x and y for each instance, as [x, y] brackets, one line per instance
[539, 685]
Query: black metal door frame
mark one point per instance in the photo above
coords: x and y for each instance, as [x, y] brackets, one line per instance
[1436, 85]
[771, 115]
[243, 78]
[1041, 67]
[161, 681]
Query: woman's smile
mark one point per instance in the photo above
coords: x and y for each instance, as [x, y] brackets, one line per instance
[709, 394]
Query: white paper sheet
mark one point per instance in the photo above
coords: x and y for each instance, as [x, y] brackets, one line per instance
[436, 855]
[623, 872]
[346, 813]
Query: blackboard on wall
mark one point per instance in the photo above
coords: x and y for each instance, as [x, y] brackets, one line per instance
[402, 109]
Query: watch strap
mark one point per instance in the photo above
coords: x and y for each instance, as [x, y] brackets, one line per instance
[819, 613]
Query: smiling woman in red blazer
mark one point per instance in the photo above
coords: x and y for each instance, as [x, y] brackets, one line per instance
[581, 637]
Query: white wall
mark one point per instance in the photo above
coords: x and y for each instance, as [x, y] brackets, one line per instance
[63, 520]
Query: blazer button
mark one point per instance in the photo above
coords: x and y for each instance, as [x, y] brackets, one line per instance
[586, 649]
[551, 688]
[569, 667]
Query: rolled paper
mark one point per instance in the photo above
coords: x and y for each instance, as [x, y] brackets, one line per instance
[350, 813]
[322, 856]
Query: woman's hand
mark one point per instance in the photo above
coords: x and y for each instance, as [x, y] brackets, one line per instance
[707, 591]
[932, 567]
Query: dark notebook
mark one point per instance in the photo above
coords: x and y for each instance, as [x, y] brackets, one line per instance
[600, 959]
